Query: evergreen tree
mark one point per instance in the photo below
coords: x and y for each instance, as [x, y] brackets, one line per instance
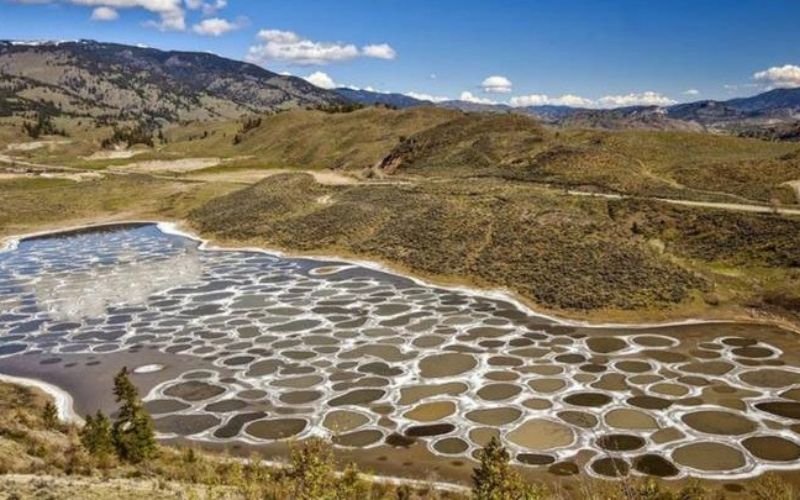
[133, 431]
[50, 415]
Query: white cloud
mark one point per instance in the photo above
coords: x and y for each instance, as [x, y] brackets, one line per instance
[692, 92]
[379, 51]
[780, 77]
[544, 100]
[290, 47]
[497, 85]
[648, 98]
[171, 13]
[574, 101]
[529, 100]
[208, 8]
[469, 97]
[427, 97]
[104, 14]
[215, 26]
[609, 101]
[321, 80]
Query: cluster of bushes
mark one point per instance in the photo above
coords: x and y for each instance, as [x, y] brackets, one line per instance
[347, 107]
[42, 126]
[249, 124]
[761, 180]
[773, 132]
[586, 265]
[736, 238]
[559, 254]
[130, 136]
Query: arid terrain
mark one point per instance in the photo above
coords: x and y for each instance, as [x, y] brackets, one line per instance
[614, 295]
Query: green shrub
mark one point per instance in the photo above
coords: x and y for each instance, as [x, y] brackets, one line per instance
[43, 126]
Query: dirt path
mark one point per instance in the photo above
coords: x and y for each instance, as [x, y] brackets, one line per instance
[179, 166]
[159, 169]
[50, 169]
[251, 176]
[22, 163]
[737, 207]
[32, 146]
[121, 154]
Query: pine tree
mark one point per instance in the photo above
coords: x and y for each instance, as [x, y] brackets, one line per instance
[50, 416]
[133, 431]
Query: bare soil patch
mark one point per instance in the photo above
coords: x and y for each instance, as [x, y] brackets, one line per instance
[175, 166]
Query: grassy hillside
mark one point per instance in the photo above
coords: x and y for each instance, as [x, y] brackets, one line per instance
[635, 162]
[562, 252]
[436, 143]
[308, 139]
[439, 144]
[32, 203]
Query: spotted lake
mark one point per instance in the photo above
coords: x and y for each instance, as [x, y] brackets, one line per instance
[249, 349]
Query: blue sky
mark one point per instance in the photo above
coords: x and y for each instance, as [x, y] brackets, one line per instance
[591, 52]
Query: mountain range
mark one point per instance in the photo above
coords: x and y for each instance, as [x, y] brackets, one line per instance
[120, 82]
[87, 78]
[766, 109]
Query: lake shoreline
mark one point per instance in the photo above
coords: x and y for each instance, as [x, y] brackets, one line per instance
[567, 318]
[61, 399]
